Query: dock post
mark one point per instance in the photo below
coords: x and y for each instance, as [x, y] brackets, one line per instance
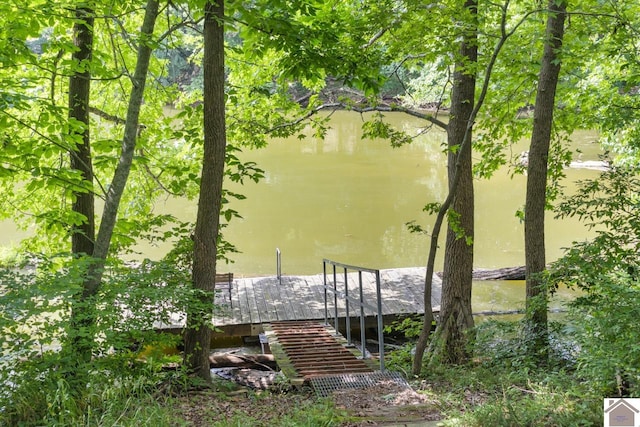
[279, 265]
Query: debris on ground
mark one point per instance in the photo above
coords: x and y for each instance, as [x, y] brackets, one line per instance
[387, 401]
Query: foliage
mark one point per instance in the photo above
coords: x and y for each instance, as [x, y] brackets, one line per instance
[547, 402]
[115, 393]
[506, 345]
[133, 301]
[606, 321]
[410, 326]
[500, 385]
[606, 269]
[607, 205]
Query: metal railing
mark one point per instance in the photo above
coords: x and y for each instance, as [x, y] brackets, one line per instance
[359, 303]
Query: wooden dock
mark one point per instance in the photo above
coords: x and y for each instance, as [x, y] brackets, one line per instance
[260, 300]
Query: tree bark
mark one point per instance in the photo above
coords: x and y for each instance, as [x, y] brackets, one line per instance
[83, 235]
[198, 332]
[83, 346]
[535, 204]
[455, 313]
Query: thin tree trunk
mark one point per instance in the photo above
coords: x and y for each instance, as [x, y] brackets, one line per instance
[198, 333]
[535, 204]
[93, 277]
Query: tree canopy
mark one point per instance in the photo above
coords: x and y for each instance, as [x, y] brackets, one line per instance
[104, 110]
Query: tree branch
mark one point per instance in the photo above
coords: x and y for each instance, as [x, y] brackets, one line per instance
[341, 105]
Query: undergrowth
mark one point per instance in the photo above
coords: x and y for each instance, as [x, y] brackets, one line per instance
[503, 385]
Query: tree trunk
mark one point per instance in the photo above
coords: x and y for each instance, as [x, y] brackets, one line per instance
[82, 235]
[423, 339]
[455, 312]
[84, 345]
[198, 333]
[535, 204]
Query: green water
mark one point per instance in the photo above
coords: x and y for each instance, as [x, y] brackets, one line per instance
[348, 200]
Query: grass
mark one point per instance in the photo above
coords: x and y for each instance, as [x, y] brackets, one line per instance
[478, 395]
[470, 395]
[501, 386]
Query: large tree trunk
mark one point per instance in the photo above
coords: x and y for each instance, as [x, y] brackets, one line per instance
[82, 235]
[198, 333]
[455, 312]
[83, 346]
[535, 204]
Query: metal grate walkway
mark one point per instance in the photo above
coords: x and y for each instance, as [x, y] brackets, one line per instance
[326, 385]
[311, 351]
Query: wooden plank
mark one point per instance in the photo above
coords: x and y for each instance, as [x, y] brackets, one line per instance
[315, 284]
[418, 288]
[281, 357]
[252, 306]
[222, 315]
[264, 311]
[412, 300]
[260, 300]
[287, 298]
[400, 295]
[268, 312]
[369, 289]
[313, 304]
[235, 306]
[241, 302]
[319, 280]
[272, 298]
[295, 298]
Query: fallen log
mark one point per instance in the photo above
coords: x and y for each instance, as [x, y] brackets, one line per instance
[244, 361]
[505, 273]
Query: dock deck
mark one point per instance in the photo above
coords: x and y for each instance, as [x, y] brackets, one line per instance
[259, 300]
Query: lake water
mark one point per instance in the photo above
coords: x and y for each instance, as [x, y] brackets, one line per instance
[348, 200]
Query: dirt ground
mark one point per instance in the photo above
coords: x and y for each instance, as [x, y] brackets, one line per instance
[387, 403]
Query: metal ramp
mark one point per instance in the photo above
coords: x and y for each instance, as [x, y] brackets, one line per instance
[312, 353]
[308, 349]
[315, 353]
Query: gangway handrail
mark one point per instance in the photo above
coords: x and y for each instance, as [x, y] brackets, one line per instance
[359, 302]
